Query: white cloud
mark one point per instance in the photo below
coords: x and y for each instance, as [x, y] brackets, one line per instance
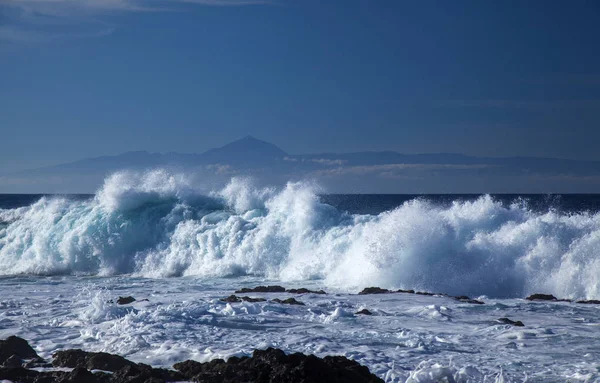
[395, 170]
[35, 21]
[320, 161]
[54, 7]
[25, 35]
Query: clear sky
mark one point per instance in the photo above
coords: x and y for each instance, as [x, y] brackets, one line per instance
[496, 78]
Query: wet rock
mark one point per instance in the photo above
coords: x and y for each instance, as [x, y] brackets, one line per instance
[70, 358]
[425, 293]
[12, 362]
[302, 290]
[511, 322]
[289, 301]
[236, 299]
[90, 360]
[269, 365]
[541, 297]
[406, 291]
[363, 312]
[79, 375]
[13, 345]
[145, 374]
[125, 300]
[590, 302]
[466, 299]
[262, 289]
[374, 290]
[18, 374]
[273, 365]
[36, 362]
[106, 362]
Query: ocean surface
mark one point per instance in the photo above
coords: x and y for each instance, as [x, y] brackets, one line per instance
[154, 236]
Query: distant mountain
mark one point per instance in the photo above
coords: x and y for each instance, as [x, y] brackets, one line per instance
[356, 172]
[245, 150]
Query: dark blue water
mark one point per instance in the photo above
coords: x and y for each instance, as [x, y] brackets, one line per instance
[12, 201]
[377, 203]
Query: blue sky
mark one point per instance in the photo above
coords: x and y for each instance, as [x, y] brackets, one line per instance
[99, 77]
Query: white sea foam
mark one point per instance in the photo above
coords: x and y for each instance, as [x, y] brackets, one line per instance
[410, 338]
[157, 224]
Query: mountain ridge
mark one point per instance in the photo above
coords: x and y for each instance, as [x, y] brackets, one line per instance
[368, 171]
[254, 151]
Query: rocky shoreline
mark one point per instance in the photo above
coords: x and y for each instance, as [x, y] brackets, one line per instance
[20, 363]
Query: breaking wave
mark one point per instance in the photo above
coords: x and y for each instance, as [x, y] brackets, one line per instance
[156, 224]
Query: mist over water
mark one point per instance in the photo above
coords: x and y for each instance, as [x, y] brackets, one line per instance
[158, 224]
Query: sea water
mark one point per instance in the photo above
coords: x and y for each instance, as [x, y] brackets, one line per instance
[65, 259]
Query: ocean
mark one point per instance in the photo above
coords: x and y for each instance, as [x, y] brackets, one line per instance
[64, 260]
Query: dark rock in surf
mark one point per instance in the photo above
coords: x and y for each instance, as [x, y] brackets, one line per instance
[13, 362]
[406, 291]
[465, 299]
[273, 365]
[125, 300]
[90, 360]
[302, 290]
[19, 374]
[425, 293]
[15, 346]
[511, 322]
[262, 289]
[236, 299]
[289, 301]
[590, 302]
[363, 312]
[541, 297]
[37, 362]
[374, 290]
[144, 373]
[79, 375]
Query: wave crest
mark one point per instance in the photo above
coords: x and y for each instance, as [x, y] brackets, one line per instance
[156, 224]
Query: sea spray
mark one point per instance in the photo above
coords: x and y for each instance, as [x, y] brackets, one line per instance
[157, 224]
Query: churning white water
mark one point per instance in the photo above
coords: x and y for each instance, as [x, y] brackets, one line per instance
[63, 262]
[156, 224]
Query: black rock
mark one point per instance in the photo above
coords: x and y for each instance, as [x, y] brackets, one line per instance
[80, 375]
[13, 345]
[37, 362]
[466, 299]
[424, 293]
[70, 358]
[18, 374]
[289, 301]
[12, 362]
[269, 365]
[363, 312]
[512, 322]
[406, 291]
[302, 290]
[90, 360]
[145, 374]
[589, 302]
[125, 300]
[262, 289]
[236, 299]
[374, 290]
[541, 297]
[273, 365]
[106, 362]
